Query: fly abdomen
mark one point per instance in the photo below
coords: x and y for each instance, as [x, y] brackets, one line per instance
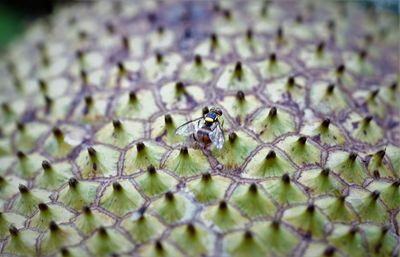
[202, 135]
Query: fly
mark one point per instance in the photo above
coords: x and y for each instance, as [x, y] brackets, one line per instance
[206, 129]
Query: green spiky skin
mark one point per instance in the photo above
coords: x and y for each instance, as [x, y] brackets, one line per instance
[91, 96]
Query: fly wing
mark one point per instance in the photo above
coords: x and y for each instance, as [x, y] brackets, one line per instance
[217, 136]
[188, 128]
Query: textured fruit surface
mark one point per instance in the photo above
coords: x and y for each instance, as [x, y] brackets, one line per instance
[91, 96]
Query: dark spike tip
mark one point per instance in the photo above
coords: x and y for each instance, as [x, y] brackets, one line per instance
[291, 81]
[367, 120]
[86, 210]
[240, 96]
[88, 100]
[191, 228]
[125, 42]
[376, 174]
[102, 231]
[249, 34]
[330, 88]
[311, 208]
[53, 226]
[375, 195]
[222, 205]
[396, 183]
[179, 86]
[158, 245]
[121, 67]
[206, 177]
[184, 151]
[275, 223]
[64, 251]
[353, 156]
[159, 57]
[340, 69]
[302, 140]
[380, 154]
[160, 30]
[43, 207]
[13, 230]
[23, 189]
[325, 172]
[320, 47]
[117, 124]
[272, 58]
[198, 60]
[342, 198]
[270, 155]
[168, 119]
[279, 32]
[21, 155]
[374, 93]
[273, 112]
[91, 152]
[46, 165]
[329, 251]
[132, 97]
[286, 178]
[353, 230]
[169, 196]
[73, 182]
[57, 132]
[238, 70]
[385, 229]
[394, 86]
[232, 137]
[151, 170]
[140, 146]
[117, 186]
[20, 126]
[362, 54]
[325, 123]
[253, 188]
[248, 235]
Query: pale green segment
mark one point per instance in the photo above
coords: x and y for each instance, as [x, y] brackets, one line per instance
[317, 249]
[270, 70]
[390, 193]
[54, 178]
[154, 184]
[370, 133]
[209, 190]
[328, 136]
[394, 154]
[83, 194]
[281, 91]
[375, 238]
[269, 128]
[348, 243]
[173, 210]
[5, 147]
[106, 160]
[196, 243]
[249, 47]
[144, 106]
[384, 169]
[155, 71]
[88, 223]
[5, 163]
[222, 48]
[284, 193]
[232, 155]
[52, 241]
[325, 102]
[28, 166]
[238, 245]
[26, 204]
[151, 155]
[96, 113]
[313, 59]
[161, 40]
[198, 73]
[229, 81]
[7, 219]
[54, 213]
[75, 251]
[241, 110]
[357, 65]
[306, 221]
[224, 219]
[121, 202]
[253, 203]
[375, 104]
[260, 167]
[301, 154]
[336, 210]
[23, 244]
[351, 171]
[58, 148]
[130, 131]
[9, 186]
[320, 184]
[277, 238]
[187, 165]
[28, 137]
[167, 132]
[367, 208]
[112, 242]
[150, 250]
[173, 99]
[143, 228]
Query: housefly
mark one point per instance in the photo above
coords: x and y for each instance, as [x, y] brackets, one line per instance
[206, 129]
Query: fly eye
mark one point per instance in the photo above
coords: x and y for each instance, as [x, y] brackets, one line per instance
[218, 111]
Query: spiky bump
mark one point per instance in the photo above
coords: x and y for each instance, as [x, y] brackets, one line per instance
[311, 160]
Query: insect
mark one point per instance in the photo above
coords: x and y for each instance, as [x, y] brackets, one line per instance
[206, 129]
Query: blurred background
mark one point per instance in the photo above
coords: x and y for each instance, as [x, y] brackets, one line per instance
[16, 14]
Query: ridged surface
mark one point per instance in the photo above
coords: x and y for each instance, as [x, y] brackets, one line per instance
[311, 160]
